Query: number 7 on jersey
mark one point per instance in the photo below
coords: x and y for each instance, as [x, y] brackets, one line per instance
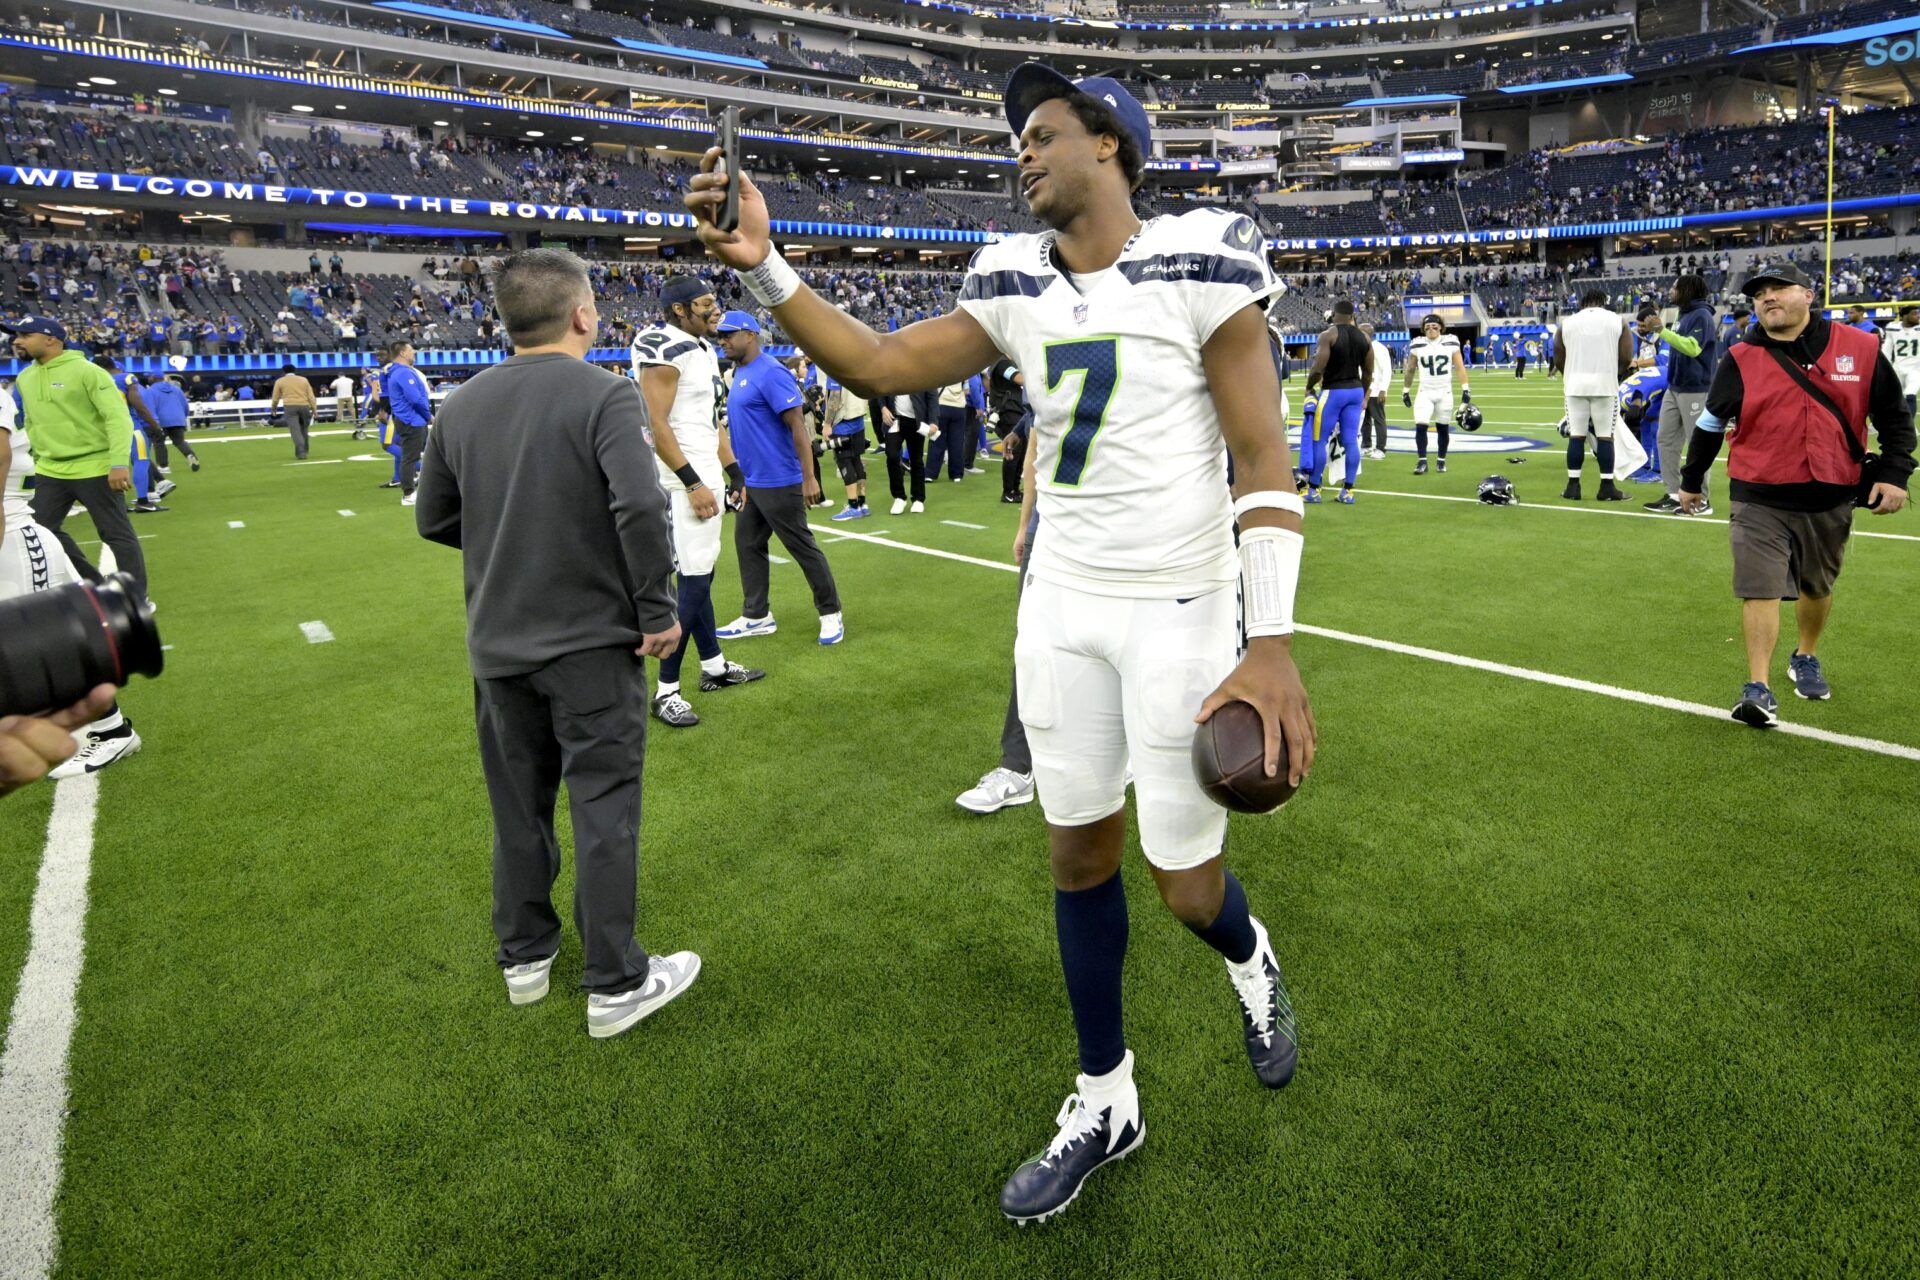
[1097, 361]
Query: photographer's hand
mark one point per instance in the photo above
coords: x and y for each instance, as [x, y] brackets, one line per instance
[31, 745]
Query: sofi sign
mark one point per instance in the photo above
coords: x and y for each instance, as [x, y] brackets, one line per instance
[1881, 50]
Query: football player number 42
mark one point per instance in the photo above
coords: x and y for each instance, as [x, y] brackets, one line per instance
[1097, 361]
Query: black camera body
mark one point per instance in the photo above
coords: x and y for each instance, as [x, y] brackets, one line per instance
[56, 646]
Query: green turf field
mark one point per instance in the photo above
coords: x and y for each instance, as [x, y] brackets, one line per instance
[1586, 987]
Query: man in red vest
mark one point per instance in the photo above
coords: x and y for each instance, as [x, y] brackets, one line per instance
[1793, 402]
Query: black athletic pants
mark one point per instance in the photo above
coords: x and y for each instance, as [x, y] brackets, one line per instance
[781, 511]
[53, 498]
[912, 478]
[178, 435]
[581, 719]
[413, 446]
[1373, 424]
[1015, 754]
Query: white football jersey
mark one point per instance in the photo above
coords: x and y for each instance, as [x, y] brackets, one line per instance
[1591, 337]
[695, 415]
[1902, 348]
[16, 498]
[1132, 466]
[1433, 361]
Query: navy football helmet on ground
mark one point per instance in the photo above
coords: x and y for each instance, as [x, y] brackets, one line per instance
[1497, 491]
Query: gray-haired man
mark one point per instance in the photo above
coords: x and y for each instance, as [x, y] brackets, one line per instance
[540, 472]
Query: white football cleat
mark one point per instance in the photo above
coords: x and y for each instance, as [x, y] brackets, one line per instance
[833, 628]
[527, 982]
[407, 501]
[98, 750]
[899, 505]
[918, 507]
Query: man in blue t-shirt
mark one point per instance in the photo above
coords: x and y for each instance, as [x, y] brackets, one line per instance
[769, 437]
[167, 400]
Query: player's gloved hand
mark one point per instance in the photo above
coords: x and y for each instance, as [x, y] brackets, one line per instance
[737, 499]
[1267, 678]
[1466, 396]
[1406, 398]
[745, 247]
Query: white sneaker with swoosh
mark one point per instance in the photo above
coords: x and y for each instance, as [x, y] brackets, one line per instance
[527, 982]
[667, 977]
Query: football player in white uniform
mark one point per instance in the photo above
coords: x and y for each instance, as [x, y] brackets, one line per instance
[1432, 360]
[1146, 360]
[31, 559]
[679, 377]
[1902, 347]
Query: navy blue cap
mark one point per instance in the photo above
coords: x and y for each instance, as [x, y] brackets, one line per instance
[684, 289]
[35, 324]
[1033, 83]
[735, 321]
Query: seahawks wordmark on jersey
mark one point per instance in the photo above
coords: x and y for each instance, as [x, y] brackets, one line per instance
[1433, 360]
[695, 416]
[1131, 461]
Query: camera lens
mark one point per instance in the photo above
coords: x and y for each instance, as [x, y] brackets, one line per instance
[57, 645]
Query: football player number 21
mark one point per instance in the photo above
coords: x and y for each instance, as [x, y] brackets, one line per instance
[1097, 361]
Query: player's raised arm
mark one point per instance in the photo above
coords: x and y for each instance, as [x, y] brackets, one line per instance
[1246, 394]
[931, 353]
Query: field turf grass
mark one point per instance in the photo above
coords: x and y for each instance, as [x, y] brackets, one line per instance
[1586, 987]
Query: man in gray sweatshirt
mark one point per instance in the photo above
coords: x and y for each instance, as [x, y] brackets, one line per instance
[540, 472]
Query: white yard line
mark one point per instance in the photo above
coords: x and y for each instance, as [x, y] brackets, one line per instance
[316, 632]
[33, 1072]
[1596, 509]
[345, 512]
[1874, 745]
[962, 524]
[236, 524]
[281, 436]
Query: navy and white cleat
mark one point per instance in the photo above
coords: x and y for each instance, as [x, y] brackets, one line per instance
[1266, 1012]
[1090, 1135]
[732, 675]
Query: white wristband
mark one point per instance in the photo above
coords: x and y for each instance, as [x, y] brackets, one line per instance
[1269, 576]
[773, 281]
[1272, 500]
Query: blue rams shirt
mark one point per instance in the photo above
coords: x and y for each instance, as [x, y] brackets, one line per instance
[762, 391]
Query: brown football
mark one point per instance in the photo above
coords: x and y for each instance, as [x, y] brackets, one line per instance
[1227, 761]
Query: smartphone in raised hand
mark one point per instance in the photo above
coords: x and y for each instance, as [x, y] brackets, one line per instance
[726, 136]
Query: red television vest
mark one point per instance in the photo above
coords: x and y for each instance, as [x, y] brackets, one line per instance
[1784, 435]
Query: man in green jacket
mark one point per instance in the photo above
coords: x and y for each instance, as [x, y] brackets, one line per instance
[82, 437]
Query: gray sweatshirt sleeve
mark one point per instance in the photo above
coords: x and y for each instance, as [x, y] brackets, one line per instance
[639, 505]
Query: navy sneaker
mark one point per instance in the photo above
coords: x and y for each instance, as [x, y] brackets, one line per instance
[1089, 1137]
[1273, 1038]
[1808, 680]
[1756, 706]
[733, 674]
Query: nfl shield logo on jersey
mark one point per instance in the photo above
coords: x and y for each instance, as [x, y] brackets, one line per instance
[1843, 364]
[1080, 314]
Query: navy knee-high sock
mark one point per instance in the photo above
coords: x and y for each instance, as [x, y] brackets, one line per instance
[1603, 454]
[1446, 434]
[1231, 933]
[1092, 925]
[1576, 455]
[696, 596]
[1420, 439]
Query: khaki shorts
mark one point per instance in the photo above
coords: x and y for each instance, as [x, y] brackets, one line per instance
[1783, 555]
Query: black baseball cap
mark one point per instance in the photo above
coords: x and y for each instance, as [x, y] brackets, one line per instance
[1776, 273]
[35, 324]
[1033, 83]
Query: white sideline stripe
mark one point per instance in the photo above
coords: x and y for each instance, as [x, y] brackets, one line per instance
[315, 462]
[345, 512]
[95, 542]
[281, 436]
[962, 524]
[33, 1073]
[1595, 510]
[1897, 750]
[316, 632]
[236, 524]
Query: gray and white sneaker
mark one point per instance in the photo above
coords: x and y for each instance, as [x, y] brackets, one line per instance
[527, 982]
[996, 790]
[667, 978]
[672, 709]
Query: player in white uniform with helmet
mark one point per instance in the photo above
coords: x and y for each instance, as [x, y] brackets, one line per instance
[1594, 351]
[679, 376]
[1901, 344]
[1146, 359]
[1432, 360]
